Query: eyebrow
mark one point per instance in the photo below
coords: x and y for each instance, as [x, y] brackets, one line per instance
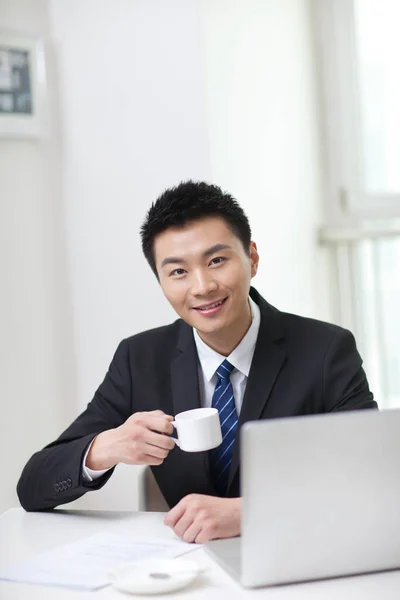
[175, 259]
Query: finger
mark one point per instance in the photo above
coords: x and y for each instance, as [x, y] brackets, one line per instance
[159, 440]
[155, 451]
[160, 413]
[175, 514]
[183, 524]
[192, 532]
[152, 461]
[140, 455]
[155, 423]
[204, 536]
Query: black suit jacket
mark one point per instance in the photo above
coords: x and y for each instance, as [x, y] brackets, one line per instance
[300, 366]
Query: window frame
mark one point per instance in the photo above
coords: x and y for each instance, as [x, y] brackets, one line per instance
[346, 201]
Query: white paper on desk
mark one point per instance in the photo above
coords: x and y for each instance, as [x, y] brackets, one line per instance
[85, 564]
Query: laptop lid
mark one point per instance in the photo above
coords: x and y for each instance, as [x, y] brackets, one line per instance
[321, 496]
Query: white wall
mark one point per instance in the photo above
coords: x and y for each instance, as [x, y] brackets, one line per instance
[264, 129]
[153, 92]
[133, 122]
[36, 357]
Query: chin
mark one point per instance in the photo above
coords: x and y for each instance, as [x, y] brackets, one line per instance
[211, 329]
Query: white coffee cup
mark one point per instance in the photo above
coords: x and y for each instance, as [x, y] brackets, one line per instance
[198, 429]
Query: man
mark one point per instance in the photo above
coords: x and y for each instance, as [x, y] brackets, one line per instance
[228, 342]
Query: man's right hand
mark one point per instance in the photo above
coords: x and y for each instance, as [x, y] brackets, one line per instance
[141, 440]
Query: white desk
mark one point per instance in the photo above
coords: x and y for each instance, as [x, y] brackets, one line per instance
[25, 534]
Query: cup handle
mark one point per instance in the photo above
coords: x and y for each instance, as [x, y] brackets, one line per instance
[175, 439]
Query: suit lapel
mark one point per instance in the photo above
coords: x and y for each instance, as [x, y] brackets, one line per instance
[186, 396]
[184, 373]
[267, 362]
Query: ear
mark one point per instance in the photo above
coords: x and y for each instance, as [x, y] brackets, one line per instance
[254, 258]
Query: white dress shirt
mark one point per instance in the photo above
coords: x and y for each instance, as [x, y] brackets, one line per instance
[209, 361]
[241, 358]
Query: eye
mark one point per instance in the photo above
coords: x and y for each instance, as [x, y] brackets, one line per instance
[217, 260]
[177, 272]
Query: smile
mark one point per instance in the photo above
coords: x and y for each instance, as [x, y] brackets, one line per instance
[210, 308]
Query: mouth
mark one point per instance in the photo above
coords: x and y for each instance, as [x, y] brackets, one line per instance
[210, 309]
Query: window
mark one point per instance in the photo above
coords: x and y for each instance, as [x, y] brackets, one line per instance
[377, 294]
[359, 48]
[377, 46]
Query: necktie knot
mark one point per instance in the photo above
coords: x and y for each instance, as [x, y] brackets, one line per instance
[225, 369]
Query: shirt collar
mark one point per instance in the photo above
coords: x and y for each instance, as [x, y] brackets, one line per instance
[240, 357]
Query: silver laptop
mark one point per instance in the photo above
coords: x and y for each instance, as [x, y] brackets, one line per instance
[321, 498]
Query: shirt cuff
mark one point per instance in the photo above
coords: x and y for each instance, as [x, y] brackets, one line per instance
[90, 474]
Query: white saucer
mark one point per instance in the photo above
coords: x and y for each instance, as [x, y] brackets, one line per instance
[154, 576]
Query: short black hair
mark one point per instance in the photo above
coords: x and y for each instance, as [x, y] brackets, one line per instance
[188, 202]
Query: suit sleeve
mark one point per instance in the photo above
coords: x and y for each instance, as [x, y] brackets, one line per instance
[345, 385]
[53, 475]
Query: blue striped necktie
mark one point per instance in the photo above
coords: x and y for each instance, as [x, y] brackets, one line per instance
[223, 400]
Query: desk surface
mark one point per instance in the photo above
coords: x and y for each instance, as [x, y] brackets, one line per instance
[25, 534]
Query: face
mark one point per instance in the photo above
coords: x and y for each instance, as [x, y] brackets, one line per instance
[205, 274]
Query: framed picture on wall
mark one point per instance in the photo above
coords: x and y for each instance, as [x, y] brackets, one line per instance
[22, 86]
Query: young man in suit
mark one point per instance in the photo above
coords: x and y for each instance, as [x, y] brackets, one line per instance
[229, 348]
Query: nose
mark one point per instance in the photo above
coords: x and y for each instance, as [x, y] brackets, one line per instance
[203, 283]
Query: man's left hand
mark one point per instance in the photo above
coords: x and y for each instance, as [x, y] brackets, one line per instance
[198, 518]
